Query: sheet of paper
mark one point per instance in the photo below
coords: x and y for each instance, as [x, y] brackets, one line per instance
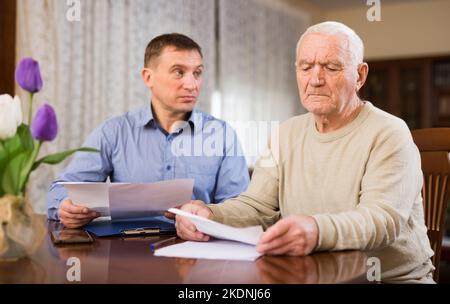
[141, 200]
[91, 195]
[213, 249]
[248, 235]
[126, 200]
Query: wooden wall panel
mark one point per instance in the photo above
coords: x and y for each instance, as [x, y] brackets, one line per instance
[7, 45]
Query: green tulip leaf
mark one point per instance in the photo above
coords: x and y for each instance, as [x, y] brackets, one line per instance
[13, 145]
[10, 148]
[3, 156]
[56, 158]
[25, 137]
[27, 168]
[11, 178]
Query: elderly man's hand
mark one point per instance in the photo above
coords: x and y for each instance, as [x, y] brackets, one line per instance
[185, 228]
[296, 235]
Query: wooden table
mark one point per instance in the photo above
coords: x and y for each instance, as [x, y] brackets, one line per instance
[130, 260]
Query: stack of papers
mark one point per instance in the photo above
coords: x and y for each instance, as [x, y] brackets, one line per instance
[233, 244]
[212, 250]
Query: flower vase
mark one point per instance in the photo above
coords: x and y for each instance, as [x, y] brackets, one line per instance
[21, 232]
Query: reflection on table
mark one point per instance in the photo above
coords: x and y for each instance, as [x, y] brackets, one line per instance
[130, 260]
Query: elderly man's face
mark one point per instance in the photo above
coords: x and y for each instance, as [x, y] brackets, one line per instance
[326, 76]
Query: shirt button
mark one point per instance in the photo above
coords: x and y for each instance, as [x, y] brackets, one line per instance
[168, 167]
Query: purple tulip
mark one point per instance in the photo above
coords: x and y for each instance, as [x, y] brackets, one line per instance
[28, 75]
[44, 126]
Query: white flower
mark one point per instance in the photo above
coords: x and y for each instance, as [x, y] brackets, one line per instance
[10, 115]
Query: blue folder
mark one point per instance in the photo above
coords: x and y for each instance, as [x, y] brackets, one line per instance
[132, 227]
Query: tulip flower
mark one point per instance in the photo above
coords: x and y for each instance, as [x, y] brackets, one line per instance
[18, 154]
[10, 115]
[44, 126]
[28, 75]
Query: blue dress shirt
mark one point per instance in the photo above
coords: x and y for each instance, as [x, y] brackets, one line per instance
[135, 149]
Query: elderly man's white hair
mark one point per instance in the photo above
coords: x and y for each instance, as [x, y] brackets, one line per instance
[355, 44]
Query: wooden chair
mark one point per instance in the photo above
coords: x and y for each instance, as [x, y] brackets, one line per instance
[434, 147]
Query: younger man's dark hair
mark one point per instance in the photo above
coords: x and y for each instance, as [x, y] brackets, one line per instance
[179, 41]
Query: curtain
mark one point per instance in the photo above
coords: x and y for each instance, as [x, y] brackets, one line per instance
[257, 72]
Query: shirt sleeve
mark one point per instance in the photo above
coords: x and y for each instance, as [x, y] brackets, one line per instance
[84, 167]
[390, 186]
[233, 176]
[258, 205]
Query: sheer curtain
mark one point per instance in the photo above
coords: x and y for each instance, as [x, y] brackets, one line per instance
[91, 68]
[256, 71]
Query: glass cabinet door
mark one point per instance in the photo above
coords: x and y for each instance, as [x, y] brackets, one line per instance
[411, 95]
[376, 89]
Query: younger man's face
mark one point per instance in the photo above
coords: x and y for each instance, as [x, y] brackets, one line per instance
[176, 79]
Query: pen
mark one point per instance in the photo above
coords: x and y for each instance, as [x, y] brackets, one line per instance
[154, 245]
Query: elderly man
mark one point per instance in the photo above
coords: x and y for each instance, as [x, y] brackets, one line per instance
[346, 175]
[141, 146]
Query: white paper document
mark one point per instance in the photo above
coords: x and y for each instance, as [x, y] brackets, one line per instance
[248, 235]
[127, 200]
[213, 249]
[235, 243]
[91, 195]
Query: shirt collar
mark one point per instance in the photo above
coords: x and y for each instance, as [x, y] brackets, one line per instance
[146, 118]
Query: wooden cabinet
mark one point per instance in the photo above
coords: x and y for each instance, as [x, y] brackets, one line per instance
[417, 90]
[441, 92]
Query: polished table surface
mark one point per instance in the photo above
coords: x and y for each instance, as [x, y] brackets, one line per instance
[130, 260]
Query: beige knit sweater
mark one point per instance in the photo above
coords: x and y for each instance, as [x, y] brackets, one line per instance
[362, 184]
